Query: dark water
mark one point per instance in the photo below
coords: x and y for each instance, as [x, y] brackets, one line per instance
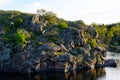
[95, 74]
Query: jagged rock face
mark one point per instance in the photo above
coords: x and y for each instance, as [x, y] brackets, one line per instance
[5, 59]
[37, 23]
[72, 37]
[69, 52]
[92, 32]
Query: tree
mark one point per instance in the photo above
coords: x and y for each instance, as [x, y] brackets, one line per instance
[47, 16]
[41, 12]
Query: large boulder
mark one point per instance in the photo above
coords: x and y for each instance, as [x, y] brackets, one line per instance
[108, 63]
[92, 32]
[72, 37]
[49, 46]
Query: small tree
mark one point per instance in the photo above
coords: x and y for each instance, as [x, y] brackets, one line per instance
[41, 12]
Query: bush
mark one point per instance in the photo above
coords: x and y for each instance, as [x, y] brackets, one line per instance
[92, 42]
[22, 36]
[63, 25]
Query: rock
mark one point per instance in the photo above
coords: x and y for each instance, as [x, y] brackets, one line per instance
[78, 50]
[1, 26]
[40, 39]
[110, 63]
[18, 60]
[72, 37]
[5, 60]
[101, 49]
[30, 66]
[56, 66]
[75, 66]
[64, 48]
[92, 32]
[37, 24]
[68, 67]
[2, 32]
[49, 46]
[1, 45]
[87, 47]
[5, 54]
[43, 66]
[64, 57]
[35, 18]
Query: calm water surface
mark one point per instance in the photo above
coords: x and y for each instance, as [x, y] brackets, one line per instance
[112, 73]
[95, 74]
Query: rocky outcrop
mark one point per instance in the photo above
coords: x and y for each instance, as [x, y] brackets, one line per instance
[55, 50]
[108, 63]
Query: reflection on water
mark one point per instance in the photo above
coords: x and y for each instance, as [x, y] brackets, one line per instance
[86, 75]
[82, 75]
[95, 74]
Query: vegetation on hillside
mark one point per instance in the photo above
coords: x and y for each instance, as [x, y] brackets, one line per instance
[13, 24]
[109, 34]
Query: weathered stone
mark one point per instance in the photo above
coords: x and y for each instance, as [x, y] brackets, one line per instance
[102, 51]
[49, 46]
[40, 39]
[5, 59]
[72, 37]
[2, 32]
[1, 45]
[43, 66]
[78, 50]
[108, 63]
[35, 18]
[62, 57]
[5, 54]
[56, 66]
[92, 32]
[111, 63]
[68, 67]
[87, 47]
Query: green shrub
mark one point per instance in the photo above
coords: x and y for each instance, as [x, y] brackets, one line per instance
[92, 42]
[7, 28]
[8, 38]
[22, 36]
[18, 22]
[63, 25]
[39, 43]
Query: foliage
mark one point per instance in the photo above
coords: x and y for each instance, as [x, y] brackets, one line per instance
[18, 21]
[7, 28]
[63, 25]
[108, 34]
[102, 31]
[39, 43]
[8, 37]
[92, 42]
[47, 16]
[114, 35]
[22, 36]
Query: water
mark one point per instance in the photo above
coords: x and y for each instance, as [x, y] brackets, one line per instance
[95, 74]
[112, 73]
